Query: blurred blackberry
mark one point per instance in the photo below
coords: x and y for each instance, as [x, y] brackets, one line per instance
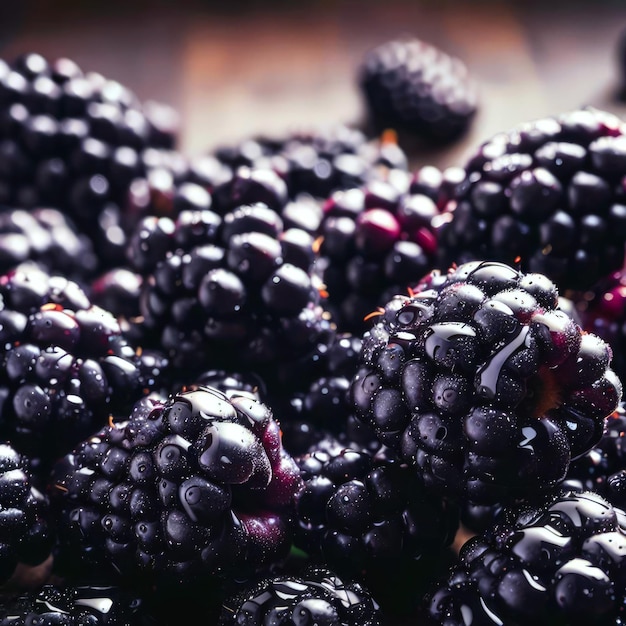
[74, 606]
[483, 384]
[603, 312]
[197, 487]
[547, 194]
[227, 292]
[25, 535]
[413, 86]
[75, 141]
[558, 563]
[369, 517]
[65, 365]
[313, 162]
[46, 237]
[375, 241]
[316, 596]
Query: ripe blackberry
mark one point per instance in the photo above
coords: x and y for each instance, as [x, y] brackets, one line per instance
[195, 487]
[219, 293]
[560, 563]
[482, 383]
[410, 85]
[74, 606]
[65, 366]
[46, 237]
[75, 140]
[316, 596]
[25, 535]
[368, 516]
[549, 193]
[375, 241]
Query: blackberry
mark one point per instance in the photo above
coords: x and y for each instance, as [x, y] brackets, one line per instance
[64, 605]
[65, 366]
[218, 292]
[75, 141]
[368, 516]
[316, 596]
[560, 562]
[46, 237]
[416, 87]
[195, 487]
[25, 535]
[548, 193]
[375, 241]
[482, 383]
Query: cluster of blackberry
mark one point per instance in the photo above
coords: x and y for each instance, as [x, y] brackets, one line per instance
[293, 381]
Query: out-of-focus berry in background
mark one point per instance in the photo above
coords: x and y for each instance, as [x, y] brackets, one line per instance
[235, 69]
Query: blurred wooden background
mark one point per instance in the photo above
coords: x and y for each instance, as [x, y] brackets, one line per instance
[238, 68]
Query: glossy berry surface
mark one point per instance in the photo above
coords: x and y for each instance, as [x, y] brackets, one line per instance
[482, 383]
[316, 596]
[557, 563]
[603, 468]
[74, 606]
[547, 194]
[196, 486]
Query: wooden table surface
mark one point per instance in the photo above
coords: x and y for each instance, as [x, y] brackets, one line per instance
[266, 68]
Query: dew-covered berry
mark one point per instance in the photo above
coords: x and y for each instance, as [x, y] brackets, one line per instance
[316, 596]
[558, 562]
[482, 383]
[195, 486]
